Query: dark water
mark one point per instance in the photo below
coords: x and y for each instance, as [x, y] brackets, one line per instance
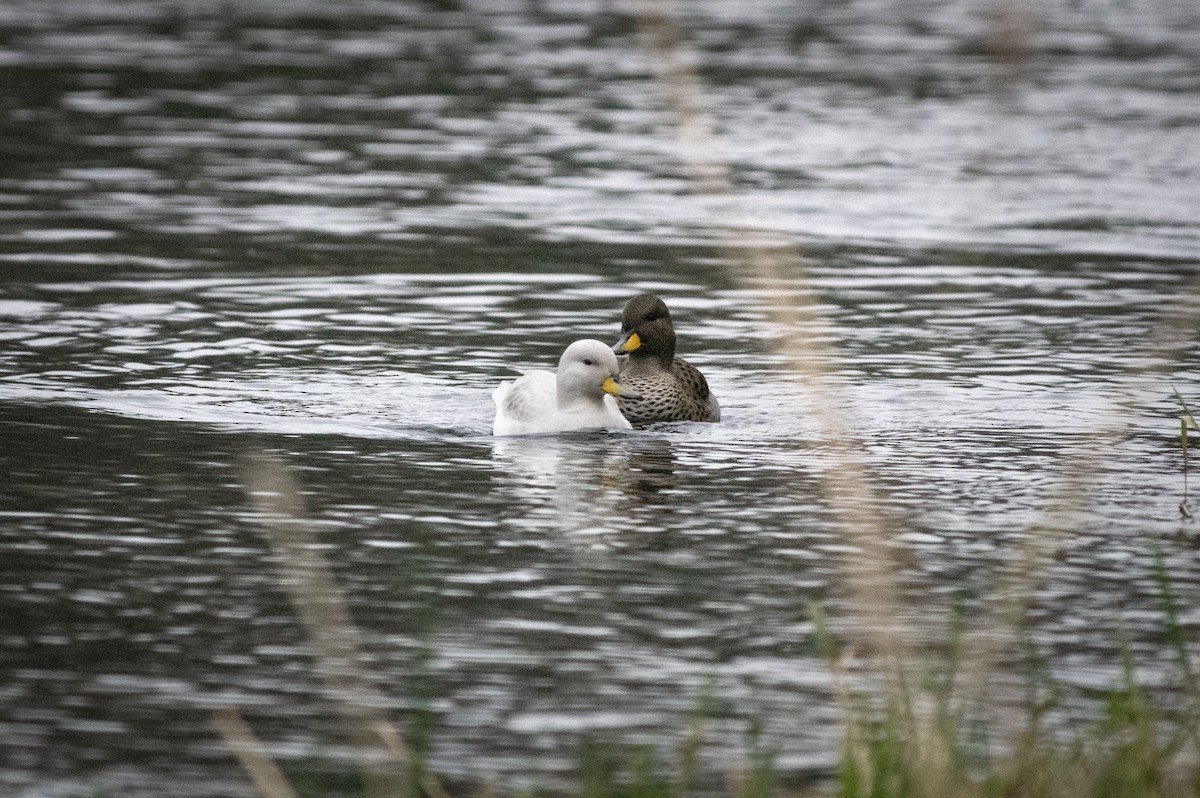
[327, 234]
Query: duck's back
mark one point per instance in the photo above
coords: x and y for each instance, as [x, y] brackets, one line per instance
[526, 405]
[678, 394]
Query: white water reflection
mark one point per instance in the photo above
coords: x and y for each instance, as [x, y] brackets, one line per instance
[587, 485]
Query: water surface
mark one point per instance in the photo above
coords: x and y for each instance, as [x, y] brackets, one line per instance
[327, 234]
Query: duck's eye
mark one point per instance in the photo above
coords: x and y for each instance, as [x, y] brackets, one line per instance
[587, 361]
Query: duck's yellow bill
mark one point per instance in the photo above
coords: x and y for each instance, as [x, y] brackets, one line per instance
[617, 389]
[633, 343]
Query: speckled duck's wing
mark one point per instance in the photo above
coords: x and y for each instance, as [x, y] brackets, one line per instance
[526, 405]
[699, 403]
[680, 394]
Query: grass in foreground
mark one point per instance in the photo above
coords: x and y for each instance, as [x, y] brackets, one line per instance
[914, 731]
[924, 741]
[915, 738]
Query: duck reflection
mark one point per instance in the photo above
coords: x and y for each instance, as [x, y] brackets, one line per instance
[589, 482]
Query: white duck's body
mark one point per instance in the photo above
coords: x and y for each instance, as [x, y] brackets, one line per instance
[579, 396]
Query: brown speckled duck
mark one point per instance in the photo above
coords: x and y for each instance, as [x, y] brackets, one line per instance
[669, 389]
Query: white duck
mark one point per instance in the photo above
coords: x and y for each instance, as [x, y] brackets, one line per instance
[578, 397]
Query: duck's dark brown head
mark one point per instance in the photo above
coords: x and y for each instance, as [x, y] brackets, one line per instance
[646, 330]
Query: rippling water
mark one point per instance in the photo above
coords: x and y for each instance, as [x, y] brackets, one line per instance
[328, 234]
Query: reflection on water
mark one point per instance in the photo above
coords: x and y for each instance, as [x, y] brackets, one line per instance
[588, 484]
[328, 233]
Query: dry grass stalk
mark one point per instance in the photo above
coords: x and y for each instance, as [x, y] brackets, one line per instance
[263, 771]
[387, 760]
[768, 258]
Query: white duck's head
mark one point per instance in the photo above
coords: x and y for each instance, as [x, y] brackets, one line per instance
[586, 371]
